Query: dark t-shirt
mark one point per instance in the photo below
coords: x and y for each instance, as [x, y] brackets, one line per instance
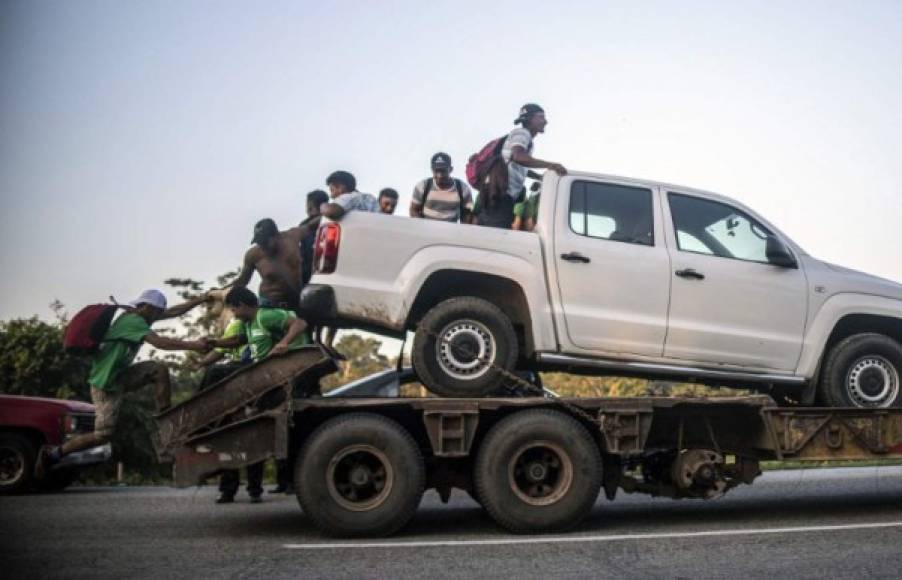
[307, 252]
[500, 215]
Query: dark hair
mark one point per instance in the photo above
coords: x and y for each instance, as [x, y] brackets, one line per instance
[388, 192]
[318, 196]
[342, 178]
[241, 297]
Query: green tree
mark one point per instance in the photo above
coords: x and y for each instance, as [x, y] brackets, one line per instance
[363, 358]
[33, 362]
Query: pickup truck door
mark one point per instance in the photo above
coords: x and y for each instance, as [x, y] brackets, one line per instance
[612, 266]
[728, 305]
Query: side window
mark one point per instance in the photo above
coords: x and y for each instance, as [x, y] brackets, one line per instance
[607, 211]
[709, 227]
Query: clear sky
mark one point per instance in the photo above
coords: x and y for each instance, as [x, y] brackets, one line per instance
[142, 140]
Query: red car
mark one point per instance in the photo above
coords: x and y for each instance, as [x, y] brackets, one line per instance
[26, 423]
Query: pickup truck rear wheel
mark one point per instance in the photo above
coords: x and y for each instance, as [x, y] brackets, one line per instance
[17, 456]
[863, 370]
[538, 471]
[460, 344]
[360, 475]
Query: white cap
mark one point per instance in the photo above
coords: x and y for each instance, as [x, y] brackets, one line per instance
[152, 297]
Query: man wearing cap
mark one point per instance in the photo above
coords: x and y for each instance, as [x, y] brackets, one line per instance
[113, 374]
[276, 256]
[440, 197]
[517, 156]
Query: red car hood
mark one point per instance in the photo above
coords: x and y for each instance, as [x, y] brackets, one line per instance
[74, 406]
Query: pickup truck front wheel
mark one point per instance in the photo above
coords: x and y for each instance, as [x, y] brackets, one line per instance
[863, 370]
[461, 347]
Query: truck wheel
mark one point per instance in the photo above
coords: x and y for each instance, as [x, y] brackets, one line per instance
[17, 456]
[360, 475]
[863, 371]
[58, 480]
[456, 344]
[538, 471]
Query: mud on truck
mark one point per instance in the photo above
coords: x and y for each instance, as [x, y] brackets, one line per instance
[620, 277]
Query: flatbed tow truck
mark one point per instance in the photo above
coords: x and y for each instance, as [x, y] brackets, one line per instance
[536, 464]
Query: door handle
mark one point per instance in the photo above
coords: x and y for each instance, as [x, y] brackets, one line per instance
[575, 257]
[690, 273]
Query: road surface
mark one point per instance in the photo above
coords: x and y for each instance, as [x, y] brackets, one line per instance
[796, 524]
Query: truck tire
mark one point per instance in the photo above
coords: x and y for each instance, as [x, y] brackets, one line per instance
[360, 475]
[17, 456]
[456, 344]
[58, 480]
[538, 471]
[863, 371]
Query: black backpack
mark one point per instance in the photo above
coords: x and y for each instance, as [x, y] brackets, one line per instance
[457, 185]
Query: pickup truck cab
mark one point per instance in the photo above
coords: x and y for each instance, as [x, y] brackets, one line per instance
[620, 277]
[26, 423]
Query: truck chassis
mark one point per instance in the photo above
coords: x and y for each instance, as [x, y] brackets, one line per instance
[535, 464]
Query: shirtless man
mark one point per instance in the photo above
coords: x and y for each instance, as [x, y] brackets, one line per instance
[276, 256]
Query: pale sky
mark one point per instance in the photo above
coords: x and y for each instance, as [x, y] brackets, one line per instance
[142, 140]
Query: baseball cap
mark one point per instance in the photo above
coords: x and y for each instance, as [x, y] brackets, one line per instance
[152, 297]
[441, 161]
[264, 230]
[527, 111]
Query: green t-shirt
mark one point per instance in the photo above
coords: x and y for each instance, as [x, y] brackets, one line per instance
[235, 328]
[117, 350]
[268, 328]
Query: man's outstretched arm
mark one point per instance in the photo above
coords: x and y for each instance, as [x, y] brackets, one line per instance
[185, 307]
[166, 343]
[522, 157]
[333, 211]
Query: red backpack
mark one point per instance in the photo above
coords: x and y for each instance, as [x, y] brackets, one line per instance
[85, 331]
[479, 164]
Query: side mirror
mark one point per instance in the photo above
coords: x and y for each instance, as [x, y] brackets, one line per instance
[779, 255]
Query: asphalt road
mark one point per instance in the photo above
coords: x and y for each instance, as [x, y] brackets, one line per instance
[811, 523]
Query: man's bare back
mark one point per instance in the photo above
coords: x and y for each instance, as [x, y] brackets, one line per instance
[278, 261]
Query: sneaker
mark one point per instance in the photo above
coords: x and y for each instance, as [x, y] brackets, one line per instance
[281, 488]
[47, 456]
[225, 498]
[256, 499]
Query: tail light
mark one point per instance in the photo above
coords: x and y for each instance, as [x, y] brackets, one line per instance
[325, 253]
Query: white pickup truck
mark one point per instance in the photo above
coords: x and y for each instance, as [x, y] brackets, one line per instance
[620, 277]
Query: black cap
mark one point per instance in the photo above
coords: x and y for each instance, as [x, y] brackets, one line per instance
[441, 161]
[265, 229]
[527, 111]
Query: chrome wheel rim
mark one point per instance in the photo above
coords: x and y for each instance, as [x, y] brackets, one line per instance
[466, 349]
[873, 381]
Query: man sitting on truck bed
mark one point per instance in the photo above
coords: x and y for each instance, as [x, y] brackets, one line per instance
[113, 374]
[276, 256]
[269, 332]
